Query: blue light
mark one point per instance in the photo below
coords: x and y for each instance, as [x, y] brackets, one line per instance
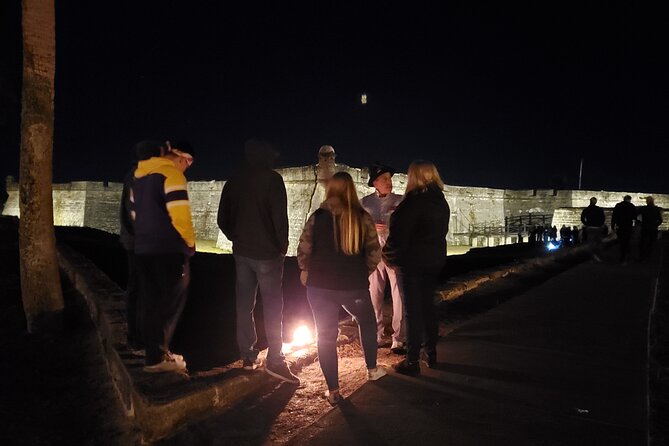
[551, 247]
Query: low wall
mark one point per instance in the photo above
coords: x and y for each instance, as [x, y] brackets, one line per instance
[96, 204]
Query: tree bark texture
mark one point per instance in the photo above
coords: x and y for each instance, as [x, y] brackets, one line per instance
[40, 278]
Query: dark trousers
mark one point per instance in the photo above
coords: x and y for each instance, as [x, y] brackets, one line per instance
[325, 305]
[134, 311]
[624, 238]
[267, 276]
[420, 312]
[646, 242]
[164, 279]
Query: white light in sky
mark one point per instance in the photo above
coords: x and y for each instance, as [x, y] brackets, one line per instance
[363, 99]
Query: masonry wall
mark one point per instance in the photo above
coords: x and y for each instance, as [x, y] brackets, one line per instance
[96, 205]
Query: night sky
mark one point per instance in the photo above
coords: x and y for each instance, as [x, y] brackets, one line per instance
[495, 96]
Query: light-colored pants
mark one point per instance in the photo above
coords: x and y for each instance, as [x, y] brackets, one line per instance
[377, 286]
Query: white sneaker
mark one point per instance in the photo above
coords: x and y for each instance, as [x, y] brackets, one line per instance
[166, 365]
[376, 373]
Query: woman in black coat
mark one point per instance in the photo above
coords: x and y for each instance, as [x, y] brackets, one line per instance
[416, 247]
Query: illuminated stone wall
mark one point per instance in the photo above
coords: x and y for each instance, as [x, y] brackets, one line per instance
[96, 205]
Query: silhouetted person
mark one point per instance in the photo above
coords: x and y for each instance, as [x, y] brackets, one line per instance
[253, 215]
[593, 219]
[134, 313]
[575, 239]
[651, 218]
[553, 233]
[622, 221]
[565, 235]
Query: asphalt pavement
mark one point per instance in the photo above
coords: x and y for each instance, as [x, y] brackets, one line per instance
[565, 363]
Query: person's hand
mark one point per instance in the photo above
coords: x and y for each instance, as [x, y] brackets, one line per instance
[303, 277]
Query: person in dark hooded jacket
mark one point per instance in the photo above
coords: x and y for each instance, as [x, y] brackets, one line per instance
[253, 215]
[135, 337]
[416, 247]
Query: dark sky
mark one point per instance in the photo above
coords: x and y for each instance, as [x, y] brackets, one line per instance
[506, 98]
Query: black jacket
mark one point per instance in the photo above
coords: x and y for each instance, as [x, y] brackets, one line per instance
[253, 213]
[651, 217]
[593, 215]
[623, 215]
[418, 229]
[327, 266]
[127, 235]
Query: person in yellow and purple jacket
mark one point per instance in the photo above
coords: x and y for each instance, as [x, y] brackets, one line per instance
[164, 243]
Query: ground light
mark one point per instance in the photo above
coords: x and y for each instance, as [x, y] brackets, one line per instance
[552, 246]
[302, 337]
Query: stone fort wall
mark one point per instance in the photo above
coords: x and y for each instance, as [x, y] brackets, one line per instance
[96, 205]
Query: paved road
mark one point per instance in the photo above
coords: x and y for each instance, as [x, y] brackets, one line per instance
[562, 364]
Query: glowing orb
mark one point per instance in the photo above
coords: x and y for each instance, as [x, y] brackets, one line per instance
[302, 336]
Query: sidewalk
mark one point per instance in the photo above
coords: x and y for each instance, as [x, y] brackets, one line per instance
[564, 364]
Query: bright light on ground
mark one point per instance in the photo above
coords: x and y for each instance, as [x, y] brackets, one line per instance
[301, 336]
[551, 246]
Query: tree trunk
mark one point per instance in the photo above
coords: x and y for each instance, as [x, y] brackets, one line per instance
[40, 279]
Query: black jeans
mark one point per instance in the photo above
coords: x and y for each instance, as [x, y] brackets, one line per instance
[420, 312]
[165, 279]
[134, 311]
[624, 237]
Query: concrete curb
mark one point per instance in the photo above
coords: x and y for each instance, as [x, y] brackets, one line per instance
[458, 286]
[157, 410]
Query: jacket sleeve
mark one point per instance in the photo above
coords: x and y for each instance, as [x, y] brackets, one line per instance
[399, 230]
[279, 204]
[178, 206]
[223, 217]
[306, 244]
[372, 246]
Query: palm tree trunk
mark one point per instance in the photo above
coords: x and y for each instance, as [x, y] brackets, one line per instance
[40, 279]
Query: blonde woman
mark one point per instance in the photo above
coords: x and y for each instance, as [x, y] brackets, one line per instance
[338, 250]
[416, 248]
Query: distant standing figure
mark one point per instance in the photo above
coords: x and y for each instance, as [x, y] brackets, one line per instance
[622, 221]
[565, 235]
[651, 218]
[416, 247]
[134, 313]
[575, 239]
[164, 243]
[380, 205]
[253, 214]
[338, 250]
[593, 219]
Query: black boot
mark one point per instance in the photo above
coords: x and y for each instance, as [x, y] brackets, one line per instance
[408, 368]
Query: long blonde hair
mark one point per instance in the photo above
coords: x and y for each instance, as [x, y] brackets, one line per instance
[421, 175]
[343, 198]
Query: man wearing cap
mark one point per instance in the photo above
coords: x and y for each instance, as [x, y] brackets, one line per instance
[651, 218]
[164, 243]
[253, 215]
[380, 206]
[622, 221]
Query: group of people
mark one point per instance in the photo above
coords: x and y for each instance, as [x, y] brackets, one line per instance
[349, 249]
[624, 219]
